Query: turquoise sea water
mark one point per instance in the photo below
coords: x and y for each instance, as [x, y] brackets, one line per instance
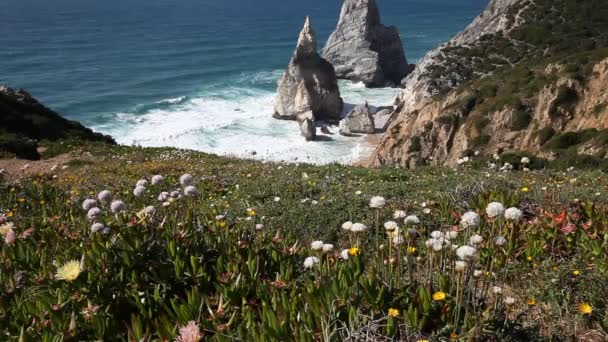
[193, 73]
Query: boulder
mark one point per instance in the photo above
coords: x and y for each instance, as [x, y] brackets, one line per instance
[308, 84]
[362, 49]
[358, 120]
[308, 129]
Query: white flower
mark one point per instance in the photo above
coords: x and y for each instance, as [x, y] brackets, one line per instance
[436, 234]
[470, 219]
[514, 214]
[358, 228]
[398, 240]
[411, 220]
[88, 204]
[495, 209]
[93, 213]
[316, 245]
[358, 192]
[158, 179]
[314, 202]
[399, 214]
[277, 199]
[475, 239]
[377, 202]
[497, 289]
[460, 266]
[186, 179]
[390, 226]
[426, 211]
[344, 254]
[500, 240]
[105, 196]
[466, 252]
[259, 226]
[310, 262]
[117, 206]
[477, 273]
[149, 210]
[139, 191]
[347, 225]
[437, 245]
[190, 191]
[509, 300]
[97, 227]
[327, 247]
[163, 196]
[525, 160]
[451, 235]
[141, 182]
[175, 194]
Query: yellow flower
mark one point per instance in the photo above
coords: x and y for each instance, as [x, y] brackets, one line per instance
[423, 341]
[531, 301]
[576, 273]
[250, 212]
[411, 250]
[21, 200]
[354, 251]
[69, 271]
[222, 224]
[9, 214]
[525, 189]
[439, 296]
[393, 312]
[530, 258]
[585, 308]
[5, 228]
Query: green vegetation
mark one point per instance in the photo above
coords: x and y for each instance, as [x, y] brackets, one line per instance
[234, 256]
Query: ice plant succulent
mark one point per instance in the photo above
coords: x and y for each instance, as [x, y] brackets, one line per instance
[68, 271]
[189, 333]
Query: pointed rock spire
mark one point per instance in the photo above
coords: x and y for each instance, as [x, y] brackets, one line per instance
[309, 88]
[362, 49]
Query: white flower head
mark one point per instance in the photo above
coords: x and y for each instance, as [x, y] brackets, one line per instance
[149, 210]
[139, 191]
[477, 273]
[93, 213]
[470, 219]
[500, 240]
[398, 240]
[316, 245]
[411, 220]
[190, 190]
[344, 254]
[105, 196]
[358, 228]
[311, 261]
[186, 179]
[497, 289]
[97, 227]
[509, 300]
[399, 214]
[495, 209]
[347, 225]
[117, 206]
[436, 234]
[89, 203]
[466, 252]
[277, 199]
[259, 226]
[514, 214]
[390, 226]
[451, 234]
[175, 194]
[327, 247]
[525, 160]
[163, 196]
[475, 239]
[157, 179]
[377, 202]
[141, 182]
[460, 266]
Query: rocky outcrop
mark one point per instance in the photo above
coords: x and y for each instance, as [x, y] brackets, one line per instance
[309, 84]
[308, 129]
[24, 121]
[362, 49]
[358, 120]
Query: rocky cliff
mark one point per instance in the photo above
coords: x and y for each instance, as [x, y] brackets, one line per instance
[525, 76]
[24, 121]
[309, 88]
[362, 49]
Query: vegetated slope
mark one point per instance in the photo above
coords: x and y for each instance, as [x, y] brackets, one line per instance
[24, 121]
[524, 76]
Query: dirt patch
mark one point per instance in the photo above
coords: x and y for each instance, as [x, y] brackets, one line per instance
[14, 169]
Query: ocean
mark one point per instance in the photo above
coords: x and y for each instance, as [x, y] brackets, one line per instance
[195, 74]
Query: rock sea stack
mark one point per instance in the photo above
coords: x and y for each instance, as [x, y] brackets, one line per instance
[363, 50]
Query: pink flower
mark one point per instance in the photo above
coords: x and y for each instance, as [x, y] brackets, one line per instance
[189, 333]
[10, 238]
[568, 228]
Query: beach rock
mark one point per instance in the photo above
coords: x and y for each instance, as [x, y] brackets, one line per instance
[308, 84]
[362, 49]
[358, 120]
[308, 129]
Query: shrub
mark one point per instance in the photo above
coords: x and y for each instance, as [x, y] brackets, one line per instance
[480, 140]
[545, 134]
[520, 120]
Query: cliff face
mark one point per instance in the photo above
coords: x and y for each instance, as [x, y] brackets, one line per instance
[23, 121]
[509, 82]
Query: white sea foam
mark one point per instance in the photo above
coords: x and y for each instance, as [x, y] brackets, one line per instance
[238, 121]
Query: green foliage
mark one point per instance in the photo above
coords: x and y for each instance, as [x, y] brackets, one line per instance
[521, 119]
[544, 134]
[568, 140]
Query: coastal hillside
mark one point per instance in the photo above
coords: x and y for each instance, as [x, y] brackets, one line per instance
[24, 122]
[525, 77]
